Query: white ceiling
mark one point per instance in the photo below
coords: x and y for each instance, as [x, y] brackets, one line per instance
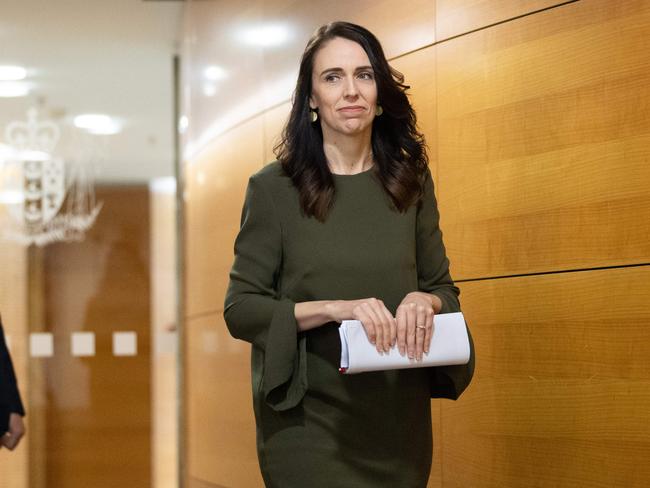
[98, 56]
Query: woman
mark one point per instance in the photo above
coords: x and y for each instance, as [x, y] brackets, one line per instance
[343, 226]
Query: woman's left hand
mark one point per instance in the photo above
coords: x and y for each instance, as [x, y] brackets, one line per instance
[414, 319]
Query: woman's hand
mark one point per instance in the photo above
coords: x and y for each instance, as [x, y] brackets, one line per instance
[377, 320]
[414, 320]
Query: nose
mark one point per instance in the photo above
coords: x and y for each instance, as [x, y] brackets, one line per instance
[351, 90]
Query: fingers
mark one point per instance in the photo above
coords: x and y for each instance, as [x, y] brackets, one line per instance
[411, 317]
[406, 329]
[361, 313]
[428, 333]
[400, 319]
[411, 329]
[392, 327]
[379, 329]
[414, 329]
[378, 322]
[406, 320]
[420, 331]
[10, 441]
[16, 431]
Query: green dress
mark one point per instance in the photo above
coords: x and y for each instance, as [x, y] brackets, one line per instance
[318, 428]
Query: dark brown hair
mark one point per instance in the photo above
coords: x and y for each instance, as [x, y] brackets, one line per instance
[398, 148]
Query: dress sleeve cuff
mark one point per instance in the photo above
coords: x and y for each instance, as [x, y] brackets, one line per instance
[284, 381]
[4, 419]
[17, 407]
[449, 303]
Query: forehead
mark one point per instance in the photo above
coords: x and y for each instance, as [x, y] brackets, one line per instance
[341, 53]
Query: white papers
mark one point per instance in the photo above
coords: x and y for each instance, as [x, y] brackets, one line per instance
[449, 345]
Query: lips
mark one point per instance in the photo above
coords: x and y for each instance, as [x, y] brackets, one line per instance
[352, 108]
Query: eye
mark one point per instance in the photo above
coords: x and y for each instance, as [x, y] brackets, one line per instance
[367, 75]
[331, 77]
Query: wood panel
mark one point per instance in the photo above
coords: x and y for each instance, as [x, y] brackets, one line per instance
[164, 364]
[14, 282]
[220, 421]
[544, 137]
[561, 395]
[98, 408]
[199, 483]
[215, 188]
[37, 397]
[455, 17]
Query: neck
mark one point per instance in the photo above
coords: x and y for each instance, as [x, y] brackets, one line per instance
[348, 155]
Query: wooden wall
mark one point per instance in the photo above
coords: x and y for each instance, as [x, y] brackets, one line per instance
[97, 409]
[537, 116]
[164, 353]
[14, 286]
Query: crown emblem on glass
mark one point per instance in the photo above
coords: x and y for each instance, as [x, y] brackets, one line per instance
[46, 199]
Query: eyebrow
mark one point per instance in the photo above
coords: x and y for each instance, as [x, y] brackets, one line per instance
[340, 70]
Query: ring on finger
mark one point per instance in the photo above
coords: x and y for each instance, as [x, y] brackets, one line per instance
[422, 327]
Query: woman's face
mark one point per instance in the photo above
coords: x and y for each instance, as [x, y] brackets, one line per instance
[343, 88]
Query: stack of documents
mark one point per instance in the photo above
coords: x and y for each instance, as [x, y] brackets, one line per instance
[449, 345]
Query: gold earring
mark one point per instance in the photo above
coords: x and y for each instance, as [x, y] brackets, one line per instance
[314, 115]
[379, 111]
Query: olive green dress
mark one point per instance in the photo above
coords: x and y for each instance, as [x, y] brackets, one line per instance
[318, 428]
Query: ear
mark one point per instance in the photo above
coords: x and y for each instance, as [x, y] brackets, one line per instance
[312, 103]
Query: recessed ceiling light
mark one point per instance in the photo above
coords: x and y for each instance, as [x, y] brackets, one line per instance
[183, 123]
[11, 89]
[209, 89]
[215, 73]
[164, 184]
[265, 35]
[12, 73]
[98, 124]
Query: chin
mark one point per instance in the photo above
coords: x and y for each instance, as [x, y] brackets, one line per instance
[354, 128]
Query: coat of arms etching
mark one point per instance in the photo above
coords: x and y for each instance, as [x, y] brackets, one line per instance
[46, 199]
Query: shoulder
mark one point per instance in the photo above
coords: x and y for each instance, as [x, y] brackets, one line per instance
[271, 179]
[427, 190]
[272, 173]
[427, 198]
[428, 178]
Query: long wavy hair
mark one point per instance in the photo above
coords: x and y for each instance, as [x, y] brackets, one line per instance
[398, 148]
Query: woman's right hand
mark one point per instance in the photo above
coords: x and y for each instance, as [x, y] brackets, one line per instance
[379, 324]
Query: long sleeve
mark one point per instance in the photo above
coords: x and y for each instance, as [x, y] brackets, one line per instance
[254, 310]
[10, 401]
[433, 277]
[432, 262]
